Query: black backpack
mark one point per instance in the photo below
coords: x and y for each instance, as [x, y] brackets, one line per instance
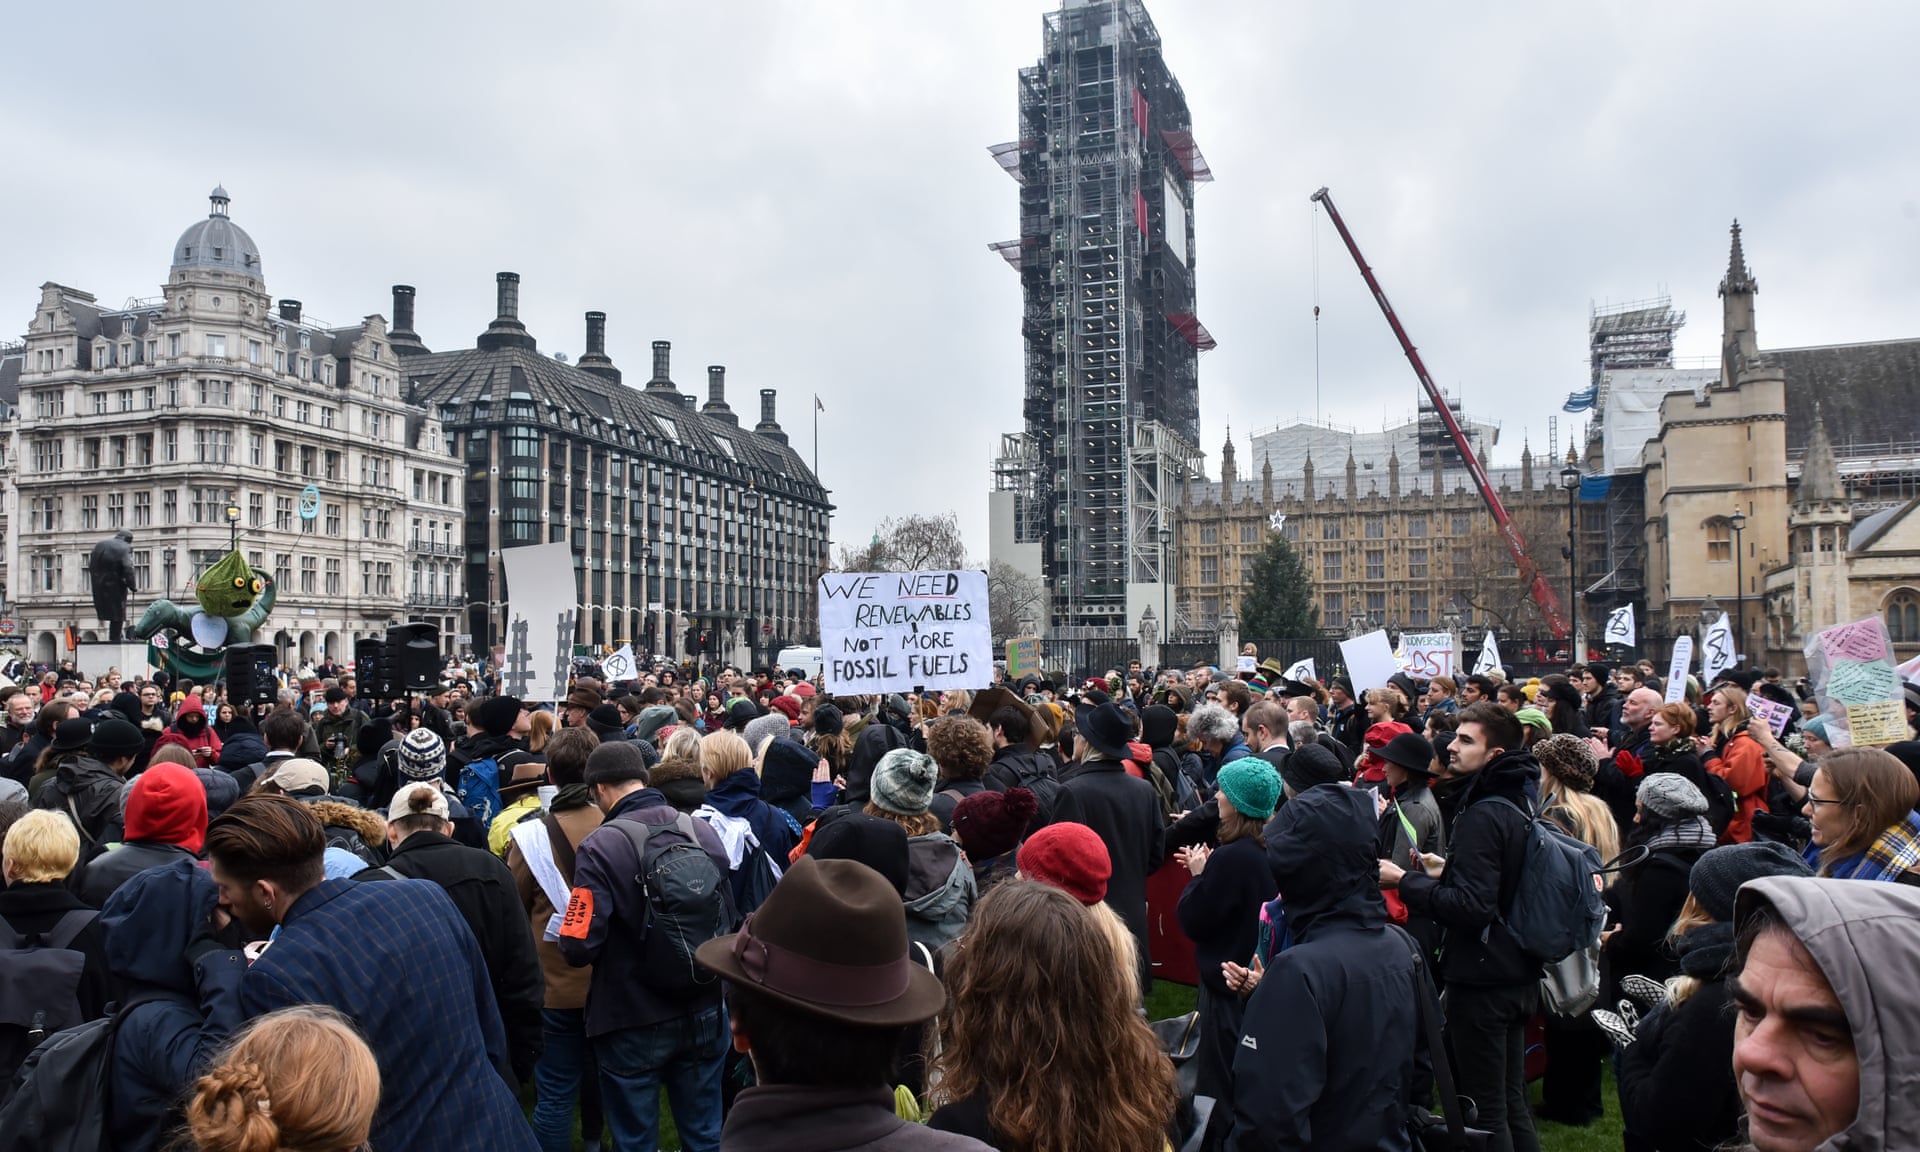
[60, 1097]
[686, 896]
[1029, 770]
[39, 985]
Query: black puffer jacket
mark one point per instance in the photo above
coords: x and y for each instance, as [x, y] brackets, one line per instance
[483, 890]
[89, 791]
[1485, 847]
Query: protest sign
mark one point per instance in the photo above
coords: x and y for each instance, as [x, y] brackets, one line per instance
[1302, 670]
[1716, 649]
[542, 605]
[1427, 654]
[1369, 660]
[1854, 678]
[1776, 715]
[1620, 626]
[1023, 657]
[1246, 665]
[1677, 670]
[897, 631]
[620, 666]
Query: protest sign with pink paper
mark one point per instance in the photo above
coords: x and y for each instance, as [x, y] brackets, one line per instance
[1859, 689]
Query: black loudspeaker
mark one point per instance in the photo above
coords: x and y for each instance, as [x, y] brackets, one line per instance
[414, 650]
[249, 669]
[373, 668]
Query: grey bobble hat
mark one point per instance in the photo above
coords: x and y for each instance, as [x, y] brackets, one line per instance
[761, 727]
[423, 755]
[903, 782]
[1718, 874]
[1671, 796]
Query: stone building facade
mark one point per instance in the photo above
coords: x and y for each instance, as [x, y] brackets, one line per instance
[1409, 549]
[208, 410]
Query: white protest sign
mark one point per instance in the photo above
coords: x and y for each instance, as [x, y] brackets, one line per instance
[1489, 655]
[1247, 664]
[1427, 654]
[541, 610]
[1620, 626]
[897, 631]
[620, 665]
[1677, 671]
[1369, 660]
[1302, 670]
[1716, 649]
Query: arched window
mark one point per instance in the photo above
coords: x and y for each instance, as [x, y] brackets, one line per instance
[1719, 540]
[1903, 617]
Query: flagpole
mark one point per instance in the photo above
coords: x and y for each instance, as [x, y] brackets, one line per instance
[816, 435]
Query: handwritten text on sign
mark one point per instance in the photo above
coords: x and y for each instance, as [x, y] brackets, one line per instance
[896, 631]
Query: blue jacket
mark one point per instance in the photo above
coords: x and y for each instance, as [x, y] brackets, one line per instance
[603, 884]
[158, 927]
[738, 796]
[398, 960]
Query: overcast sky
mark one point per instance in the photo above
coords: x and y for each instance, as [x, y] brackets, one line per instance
[801, 190]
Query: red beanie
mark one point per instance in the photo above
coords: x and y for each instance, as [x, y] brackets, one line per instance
[1070, 857]
[1380, 735]
[788, 707]
[168, 805]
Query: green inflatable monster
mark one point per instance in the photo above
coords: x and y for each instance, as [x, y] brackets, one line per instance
[234, 600]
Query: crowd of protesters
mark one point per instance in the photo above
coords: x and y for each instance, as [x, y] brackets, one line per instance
[812, 922]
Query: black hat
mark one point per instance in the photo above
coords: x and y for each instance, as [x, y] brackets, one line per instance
[1106, 730]
[113, 738]
[1409, 750]
[1158, 725]
[496, 715]
[878, 843]
[786, 771]
[1718, 875]
[72, 734]
[742, 712]
[1309, 765]
[831, 941]
[827, 720]
[605, 720]
[616, 762]
[1345, 684]
[336, 694]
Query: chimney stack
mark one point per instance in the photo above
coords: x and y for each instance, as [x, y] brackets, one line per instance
[506, 331]
[768, 426]
[595, 359]
[290, 310]
[405, 340]
[662, 356]
[716, 405]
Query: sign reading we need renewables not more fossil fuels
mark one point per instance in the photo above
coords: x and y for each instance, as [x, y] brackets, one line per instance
[897, 631]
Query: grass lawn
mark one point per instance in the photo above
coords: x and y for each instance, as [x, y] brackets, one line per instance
[1168, 999]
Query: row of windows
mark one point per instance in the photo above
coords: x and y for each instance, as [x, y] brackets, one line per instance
[1334, 528]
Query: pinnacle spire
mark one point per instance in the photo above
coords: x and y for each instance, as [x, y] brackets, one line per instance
[1739, 278]
[1819, 472]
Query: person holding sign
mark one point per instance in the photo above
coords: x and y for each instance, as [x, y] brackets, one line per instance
[1731, 753]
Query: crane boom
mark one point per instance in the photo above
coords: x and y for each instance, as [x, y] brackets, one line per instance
[1537, 584]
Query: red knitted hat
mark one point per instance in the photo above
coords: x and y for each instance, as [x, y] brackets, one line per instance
[1380, 735]
[788, 706]
[990, 823]
[168, 805]
[1072, 858]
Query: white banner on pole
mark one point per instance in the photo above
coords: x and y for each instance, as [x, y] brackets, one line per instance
[620, 666]
[897, 631]
[1489, 655]
[1302, 670]
[541, 611]
[1620, 626]
[1677, 670]
[1716, 649]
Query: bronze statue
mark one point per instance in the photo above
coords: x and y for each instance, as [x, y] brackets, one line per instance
[111, 565]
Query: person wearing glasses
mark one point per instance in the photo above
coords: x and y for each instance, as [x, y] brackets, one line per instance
[1864, 828]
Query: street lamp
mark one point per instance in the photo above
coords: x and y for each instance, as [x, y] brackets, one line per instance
[233, 527]
[1570, 480]
[1737, 522]
[1166, 543]
[750, 504]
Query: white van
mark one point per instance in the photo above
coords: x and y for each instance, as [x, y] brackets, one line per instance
[805, 659]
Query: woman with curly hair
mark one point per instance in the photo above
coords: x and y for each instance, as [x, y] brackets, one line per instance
[962, 748]
[300, 1078]
[1041, 1049]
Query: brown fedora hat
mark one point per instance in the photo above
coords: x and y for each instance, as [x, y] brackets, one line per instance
[831, 939]
[991, 700]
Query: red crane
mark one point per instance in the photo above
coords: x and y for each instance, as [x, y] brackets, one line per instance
[1537, 584]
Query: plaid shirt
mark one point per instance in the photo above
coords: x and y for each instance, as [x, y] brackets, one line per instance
[399, 961]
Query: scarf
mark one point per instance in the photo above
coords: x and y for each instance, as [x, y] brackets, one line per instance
[1706, 951]
[1893, 852]
[1689, 832]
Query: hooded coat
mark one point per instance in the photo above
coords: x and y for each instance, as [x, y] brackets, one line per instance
[1324, 1059]
[89, 791]
[166, 821]
[356, 830]
[190, 730]
[1852, 930]
[940, 890]
[738, 796]
[159, 943]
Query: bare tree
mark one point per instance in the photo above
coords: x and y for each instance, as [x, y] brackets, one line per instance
[1014, 599]
[1491, 583]
[913, 543]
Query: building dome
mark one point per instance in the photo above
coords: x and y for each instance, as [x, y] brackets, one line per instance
[217, 242]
